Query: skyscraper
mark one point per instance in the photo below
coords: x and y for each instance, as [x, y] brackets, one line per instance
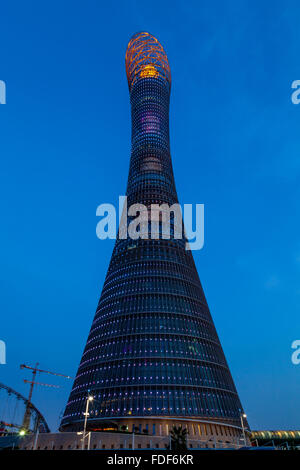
[153, 358]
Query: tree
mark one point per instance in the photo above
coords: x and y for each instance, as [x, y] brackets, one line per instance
[178, 438]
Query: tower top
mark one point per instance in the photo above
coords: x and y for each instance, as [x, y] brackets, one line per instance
[145, 57]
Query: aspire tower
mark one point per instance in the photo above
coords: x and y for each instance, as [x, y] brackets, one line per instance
[153, 358]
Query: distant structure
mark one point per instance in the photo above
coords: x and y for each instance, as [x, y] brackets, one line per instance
[153, 358]
[35, 370]
[14, 407]
[285, 439]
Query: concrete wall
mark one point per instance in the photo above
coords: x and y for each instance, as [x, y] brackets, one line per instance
[112, 440]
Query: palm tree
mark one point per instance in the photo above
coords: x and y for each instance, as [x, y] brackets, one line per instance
[178, 438]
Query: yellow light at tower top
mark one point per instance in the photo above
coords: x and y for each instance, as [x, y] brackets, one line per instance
[149, 71]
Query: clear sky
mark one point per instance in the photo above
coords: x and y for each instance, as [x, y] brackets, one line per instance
[65, 148]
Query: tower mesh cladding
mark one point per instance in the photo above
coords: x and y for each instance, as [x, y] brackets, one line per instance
[152, 351]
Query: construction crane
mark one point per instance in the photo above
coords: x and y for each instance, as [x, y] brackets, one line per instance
[35, 370]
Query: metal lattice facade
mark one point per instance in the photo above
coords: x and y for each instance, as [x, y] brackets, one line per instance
[152, 351]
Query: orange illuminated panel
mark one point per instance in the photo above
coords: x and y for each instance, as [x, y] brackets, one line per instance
[149, 71]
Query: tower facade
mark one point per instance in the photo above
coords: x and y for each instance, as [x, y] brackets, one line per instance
[153, 358]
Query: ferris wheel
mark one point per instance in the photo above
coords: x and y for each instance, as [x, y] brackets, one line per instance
[13, 406]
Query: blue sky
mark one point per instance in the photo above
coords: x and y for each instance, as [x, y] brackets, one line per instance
[65, 148]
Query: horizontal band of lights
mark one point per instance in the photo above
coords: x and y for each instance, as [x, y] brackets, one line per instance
[148, 402]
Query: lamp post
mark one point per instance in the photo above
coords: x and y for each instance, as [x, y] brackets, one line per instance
[243, 415]
[86, 414]
[36, 439]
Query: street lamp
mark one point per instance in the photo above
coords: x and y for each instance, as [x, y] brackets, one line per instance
[243, 415]
[89, 399]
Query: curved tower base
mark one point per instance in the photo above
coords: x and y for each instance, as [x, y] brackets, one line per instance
[204, 432]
